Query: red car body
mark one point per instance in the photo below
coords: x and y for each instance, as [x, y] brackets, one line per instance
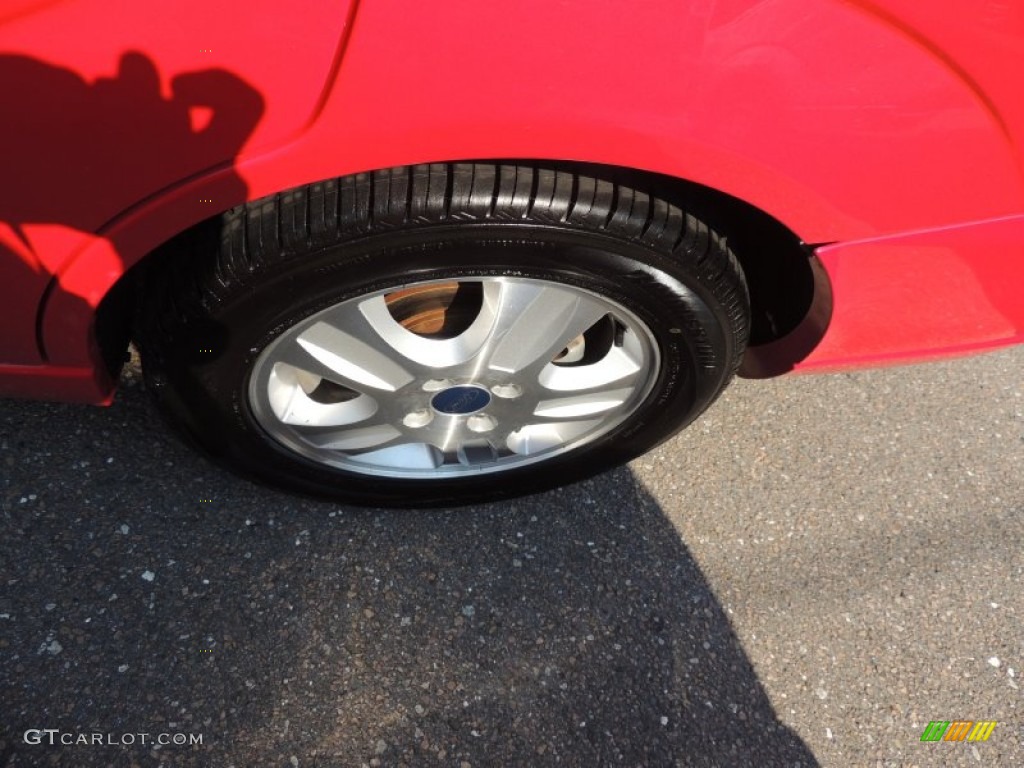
[886, 135]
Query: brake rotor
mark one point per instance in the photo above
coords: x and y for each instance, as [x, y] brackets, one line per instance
[437, 310]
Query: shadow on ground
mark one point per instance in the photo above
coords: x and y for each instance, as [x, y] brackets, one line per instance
[144, 591]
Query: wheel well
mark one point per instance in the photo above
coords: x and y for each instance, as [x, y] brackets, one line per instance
[786, 284]
[778, 266]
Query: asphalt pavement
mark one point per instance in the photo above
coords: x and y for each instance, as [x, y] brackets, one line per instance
[809, 575]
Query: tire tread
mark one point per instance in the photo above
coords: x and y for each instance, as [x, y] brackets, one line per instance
[259, 235]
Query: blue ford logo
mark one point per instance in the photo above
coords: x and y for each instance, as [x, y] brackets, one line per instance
[458, 400]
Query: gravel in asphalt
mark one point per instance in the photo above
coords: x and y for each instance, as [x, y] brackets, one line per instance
[807, 576]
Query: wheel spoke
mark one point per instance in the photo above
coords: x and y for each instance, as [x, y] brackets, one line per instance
[578, 406]
[535, 438]
[532, 322]
[419, 352]
[354, 440]
[621, 367]
[289, 391]
[363, 363]
[408, 456]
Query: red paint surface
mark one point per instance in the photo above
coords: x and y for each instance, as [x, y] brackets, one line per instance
[52, 382]
[922, 295]
[848, 121]
[110, 105]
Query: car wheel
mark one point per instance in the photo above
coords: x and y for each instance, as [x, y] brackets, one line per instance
[443, 334]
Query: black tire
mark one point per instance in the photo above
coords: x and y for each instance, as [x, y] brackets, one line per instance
[210, 313]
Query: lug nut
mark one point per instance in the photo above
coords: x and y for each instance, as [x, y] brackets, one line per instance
[507, 391]
[481, 422]
[417, 419]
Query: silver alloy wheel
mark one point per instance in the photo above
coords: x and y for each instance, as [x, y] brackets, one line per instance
[532, 369]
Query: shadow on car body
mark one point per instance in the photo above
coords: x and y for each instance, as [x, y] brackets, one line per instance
[78, 156]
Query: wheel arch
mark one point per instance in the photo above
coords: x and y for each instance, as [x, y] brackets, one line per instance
[785, 281]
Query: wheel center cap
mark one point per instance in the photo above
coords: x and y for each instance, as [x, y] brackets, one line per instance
[461, 400]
